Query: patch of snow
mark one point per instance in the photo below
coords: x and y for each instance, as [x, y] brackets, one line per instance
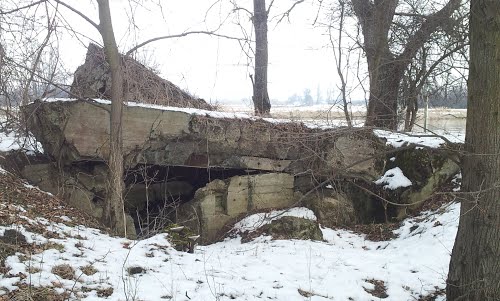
[255, 221]
[8, 142]
[65, 218]
[13, 208]
[35, 187]
[193, 111]
[394, 179]
[457, 181]
[12, 141]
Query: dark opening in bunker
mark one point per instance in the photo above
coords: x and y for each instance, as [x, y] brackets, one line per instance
[153, 192]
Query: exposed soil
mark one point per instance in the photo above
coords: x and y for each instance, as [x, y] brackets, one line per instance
[16, 194]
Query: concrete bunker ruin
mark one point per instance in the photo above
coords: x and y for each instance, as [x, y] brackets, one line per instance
[207, 169]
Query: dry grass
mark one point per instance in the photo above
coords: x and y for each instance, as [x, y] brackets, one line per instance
[30, 293]
[88, 270]
[65, 271]
[379, 291]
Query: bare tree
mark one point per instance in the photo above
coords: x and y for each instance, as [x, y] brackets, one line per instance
[114, 210]
[260, 17]
[262, 104]
[436, 65]
[338, 54]
[29, 47]
[386, 57]
[475, 265]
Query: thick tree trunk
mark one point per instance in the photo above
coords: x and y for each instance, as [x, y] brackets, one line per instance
[262, 104]
[475, 262]
[385, 79]
[114, 210]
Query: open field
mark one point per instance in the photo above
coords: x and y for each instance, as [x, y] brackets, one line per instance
[440, 119]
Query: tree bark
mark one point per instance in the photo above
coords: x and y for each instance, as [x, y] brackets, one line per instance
[411, 112]
[384, 91]
[262, 104]
[114, 210]
[475, 262]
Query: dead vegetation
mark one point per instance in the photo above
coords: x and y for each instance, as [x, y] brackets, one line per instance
[32, 293]
[65, 271]
[379, 290]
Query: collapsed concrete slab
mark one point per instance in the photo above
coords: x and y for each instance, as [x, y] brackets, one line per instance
[93, 80]
[258, 159]
[78, 130]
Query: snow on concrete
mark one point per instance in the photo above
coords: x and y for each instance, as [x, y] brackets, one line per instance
[258, 220]
[393, 138]
[193, 111]
[393, 179]
[397, 139]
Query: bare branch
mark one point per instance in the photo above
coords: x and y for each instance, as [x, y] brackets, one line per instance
[210, 33]
[82, 15]
[269, 7]
[51, 26]
[21, 8]
[411, 15]
[437, 62]
[243, 9]
[288, 11]
[431, 23]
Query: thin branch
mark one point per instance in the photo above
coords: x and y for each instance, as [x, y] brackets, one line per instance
[287, 13]
[429, 26]
[60, 86]
[21, 8]
[210, 33]
[243, 9]
[50, 29]
[442, 58]
[79, 13]
[411, 15]
[269, 7]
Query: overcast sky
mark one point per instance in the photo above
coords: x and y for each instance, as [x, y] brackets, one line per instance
[216, 68]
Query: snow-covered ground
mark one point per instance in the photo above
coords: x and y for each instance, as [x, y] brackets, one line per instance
[339, 268]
